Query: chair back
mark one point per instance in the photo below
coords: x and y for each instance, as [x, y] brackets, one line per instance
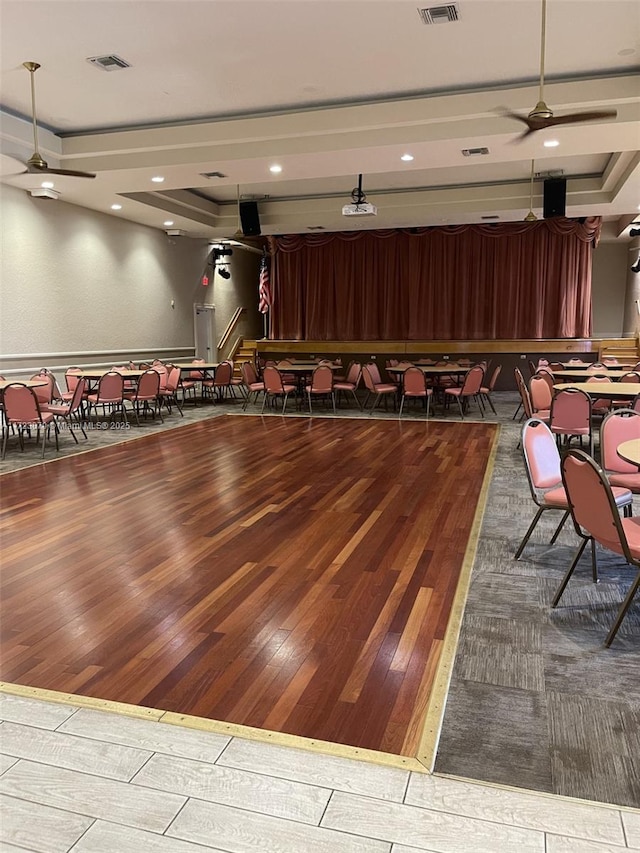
[78, 393]
[413, 381]
[374, 373]
[71, 377]
[44, 393]
[571, 409]
[610, 361]
[618, 426]
[543, 362]
[494, 377]
[272, 380]
[575, 361]
[632, 376]
[222, 376]
[524, 393]
[600, 403]
[540, 392]
[597, 366]
[249, 373]
[556, 366]
[148, 385]
[591, 501]
[110, 387]
[284, 364]
[404, 364]
[173, 379]
[21, 404]
[541, 456]
[473, 380]
[322, 380]
[369, 382]
[354, 373]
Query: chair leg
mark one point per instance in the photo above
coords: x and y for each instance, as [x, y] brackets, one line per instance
[528, 533]
[594, 561]
[284, 405]
[560, 526]
[623, 609]
[401, 407]
[565, 579]
[460, 407]
[333, 400]
[488, 399]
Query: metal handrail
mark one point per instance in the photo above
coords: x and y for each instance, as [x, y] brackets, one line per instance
[230, 325]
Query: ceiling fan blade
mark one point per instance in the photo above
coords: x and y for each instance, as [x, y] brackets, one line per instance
[572, 118]
[73, 173]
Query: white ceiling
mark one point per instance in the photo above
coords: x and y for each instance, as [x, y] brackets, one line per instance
[327, 89]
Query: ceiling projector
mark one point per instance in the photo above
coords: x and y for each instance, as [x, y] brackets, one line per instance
[45, 192]
[362, 209]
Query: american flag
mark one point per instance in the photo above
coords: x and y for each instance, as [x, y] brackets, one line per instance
[264, 291]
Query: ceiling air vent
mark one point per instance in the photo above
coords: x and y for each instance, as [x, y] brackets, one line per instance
[446, 14]
[212, 175]
[109, 63]
[315, 227]
[492, 216]
[475, 152]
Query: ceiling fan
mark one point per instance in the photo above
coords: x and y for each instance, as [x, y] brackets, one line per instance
[541, 116]
[36, 164]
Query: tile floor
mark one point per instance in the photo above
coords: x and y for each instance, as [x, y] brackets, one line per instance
[91, 781]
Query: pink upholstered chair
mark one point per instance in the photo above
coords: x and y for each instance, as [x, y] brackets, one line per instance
[168, 394]
[374, 372]
[571, 416]
[274, 387]
[252, 385]
[594, 508]
[380, 389]
[44, 393]
[349, 385]
[469, 389]
[601, 406]
[540, 389]
[542, 464]
[236, 381]
[222, 380]
[597, 367]
[71, 378]
[321, 385]
[618, 426]
[147, 392]
[71, 409]
[414, 386]
[633, 377]
[22, 412]
[109, 395]
[487, 390]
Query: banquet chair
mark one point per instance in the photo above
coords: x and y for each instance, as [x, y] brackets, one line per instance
[343, 377]
[168, 394]
[487, 390]
[274, 387]
[571, 416]
[252, 384]
[610, 361]
[594, 506]
[601, 406]
[44, 393]
[109, 395]
[72, 377]
[71, 409]
[633, 377]
[350, 382]
[321, 385]
[147, 391]
[414, 385]
[470, 388]
[575, 361]
[236, 381]
[540, 391]
[379, 388]
[556, 366]
[22, 412]
[542, 464]
[597, 367]
[222, 380]
[618, 426]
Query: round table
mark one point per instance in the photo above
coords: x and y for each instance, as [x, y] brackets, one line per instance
[630, 451]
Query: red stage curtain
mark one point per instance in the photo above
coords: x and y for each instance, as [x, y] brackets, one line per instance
[463, 282]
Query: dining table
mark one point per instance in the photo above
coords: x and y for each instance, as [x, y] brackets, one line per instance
[612, 373]
[604, 390]
[630, 451]
[30, 383]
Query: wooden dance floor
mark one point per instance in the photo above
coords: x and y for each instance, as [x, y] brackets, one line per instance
[295, 574]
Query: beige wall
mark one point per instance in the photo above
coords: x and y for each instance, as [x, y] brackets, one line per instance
[608, 286]
[82, 285]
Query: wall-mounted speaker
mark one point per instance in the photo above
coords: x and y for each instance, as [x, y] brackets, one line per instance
[554, 198]
[249, 218]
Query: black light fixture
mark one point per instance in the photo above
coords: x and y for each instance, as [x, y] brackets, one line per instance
[634, 232]
[224, 272]
[636, 266]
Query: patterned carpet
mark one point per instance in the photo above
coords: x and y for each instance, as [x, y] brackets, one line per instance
[536, 701]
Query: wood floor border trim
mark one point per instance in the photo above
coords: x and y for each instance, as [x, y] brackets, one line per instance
[220, 727]
[432, 726]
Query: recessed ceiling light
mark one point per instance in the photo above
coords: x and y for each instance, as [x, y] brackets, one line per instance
[47, 185]
[157, 179]
[168, 223]
[551, 143]
[275, 169]
[116, 207]
[407, 158]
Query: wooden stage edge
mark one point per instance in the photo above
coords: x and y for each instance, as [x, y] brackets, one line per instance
[423, 762]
